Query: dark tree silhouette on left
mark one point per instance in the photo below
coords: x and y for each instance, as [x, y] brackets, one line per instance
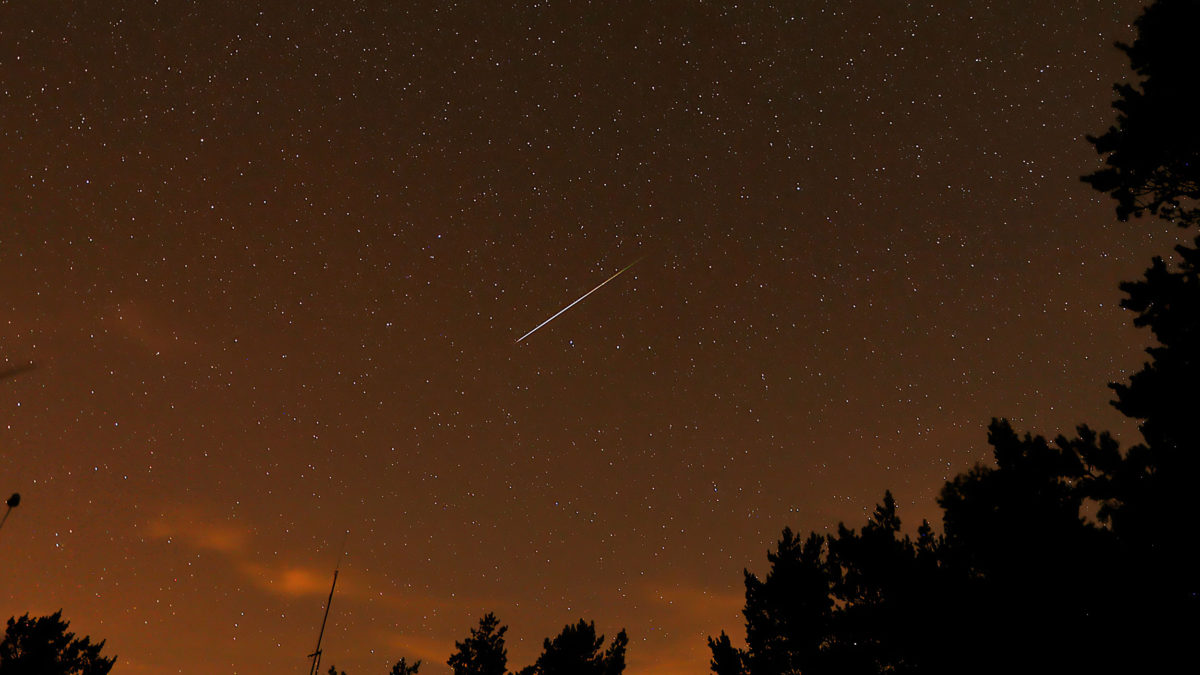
[44, 646]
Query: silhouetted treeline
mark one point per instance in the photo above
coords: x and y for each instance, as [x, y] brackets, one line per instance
[1022, 579]
[44, 646]
[577, 650]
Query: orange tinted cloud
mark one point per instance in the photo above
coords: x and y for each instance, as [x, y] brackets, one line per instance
[197, 532]
[233, 541]
[292, 580]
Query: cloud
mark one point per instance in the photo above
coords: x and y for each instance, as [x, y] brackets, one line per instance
[209, 535]
[232, 540]
[292, 580]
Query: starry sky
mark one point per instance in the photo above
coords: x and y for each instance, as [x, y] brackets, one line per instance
[272, 260]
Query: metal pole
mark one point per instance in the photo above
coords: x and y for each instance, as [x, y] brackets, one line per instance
[316, 655]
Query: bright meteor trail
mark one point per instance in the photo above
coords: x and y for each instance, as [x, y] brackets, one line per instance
[535, 328]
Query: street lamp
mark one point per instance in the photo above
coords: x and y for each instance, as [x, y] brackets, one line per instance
[12, 503]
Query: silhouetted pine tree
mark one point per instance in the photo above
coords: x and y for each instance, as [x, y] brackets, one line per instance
[577, 650]
[483, 652]
[788, 613]
[883, 588]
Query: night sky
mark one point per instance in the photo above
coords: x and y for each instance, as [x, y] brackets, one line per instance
[272, 260]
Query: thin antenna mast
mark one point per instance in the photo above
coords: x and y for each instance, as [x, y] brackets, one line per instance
[316, 655]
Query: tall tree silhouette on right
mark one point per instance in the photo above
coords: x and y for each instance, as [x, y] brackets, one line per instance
[1068, 555]
[1151, 165]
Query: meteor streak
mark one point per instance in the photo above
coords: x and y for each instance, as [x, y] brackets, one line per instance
[535, 328]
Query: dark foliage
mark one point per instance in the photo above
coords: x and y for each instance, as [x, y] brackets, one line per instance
[403, 668]
[1020, 576]
[851, 602]
[1155, 168]
[577, 650]
[1146, 494]
[1025, 562]
[726, 659]
[1151, 166]
[44, 646]
[788, 613]
[483, 652]
[1165, 393]
[1023, 579]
